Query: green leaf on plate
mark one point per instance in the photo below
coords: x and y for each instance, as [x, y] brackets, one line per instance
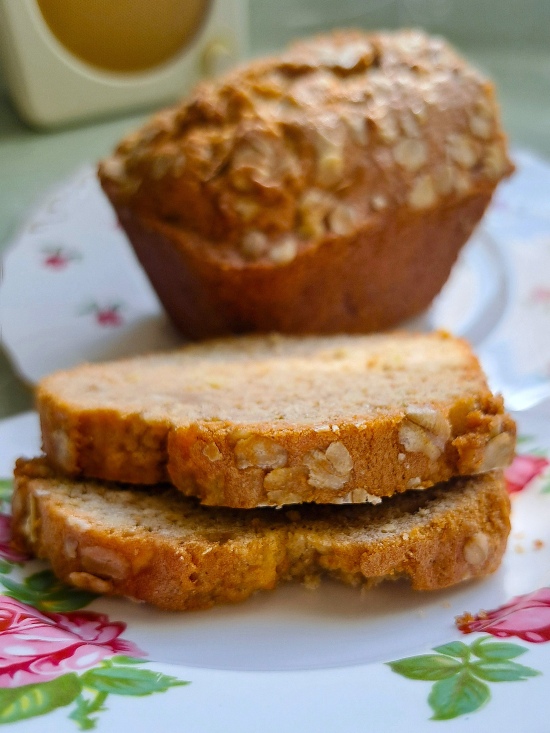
[84, 709]
[5, 567]
[459, 682]
[19, 703]
[6, 489]
[128, 681]
[427, 667]
[122, 659]
[42, 582]
[454, 649]
[503, 671]
[494, 651]
[45, 592]
[457, 695]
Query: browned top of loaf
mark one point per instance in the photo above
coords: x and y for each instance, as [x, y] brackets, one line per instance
[275, 381]
[317, 141]
[163, 548]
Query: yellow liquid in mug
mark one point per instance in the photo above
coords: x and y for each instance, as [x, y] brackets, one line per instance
[124, 35]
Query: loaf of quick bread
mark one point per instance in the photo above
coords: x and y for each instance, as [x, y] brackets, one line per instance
[327, 189]
[163, 548]
[274, 420]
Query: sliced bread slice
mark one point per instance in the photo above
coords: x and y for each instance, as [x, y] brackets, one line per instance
[272, 420]
[166, 549]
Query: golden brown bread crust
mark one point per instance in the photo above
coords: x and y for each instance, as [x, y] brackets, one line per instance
[165, 549]
[346, 286]
[272, 420]
[300, 193]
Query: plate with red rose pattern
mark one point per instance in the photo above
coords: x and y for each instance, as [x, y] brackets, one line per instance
[328, 659]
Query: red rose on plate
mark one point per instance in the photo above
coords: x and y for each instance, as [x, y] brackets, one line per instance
[523, 470]
[527, 617]
[6, 552]
[38, 647]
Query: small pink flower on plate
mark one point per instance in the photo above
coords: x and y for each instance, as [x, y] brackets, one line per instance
[57, 258]
[523, 470]
[6, 552]
[541, 295]
[109, 317]
[105, 315]
[527, 617]
[38, 647]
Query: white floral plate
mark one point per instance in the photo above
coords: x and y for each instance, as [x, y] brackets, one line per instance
[331, 659]
[327, 660]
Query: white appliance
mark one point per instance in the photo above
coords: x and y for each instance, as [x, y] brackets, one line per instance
[69, 60]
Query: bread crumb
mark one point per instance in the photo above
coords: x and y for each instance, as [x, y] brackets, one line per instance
[311, 582]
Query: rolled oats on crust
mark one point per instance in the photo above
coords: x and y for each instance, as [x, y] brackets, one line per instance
[192, 557]
[280, 196]
[272, 420]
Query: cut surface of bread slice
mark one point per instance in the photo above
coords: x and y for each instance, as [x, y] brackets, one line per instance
[168, 550]
[272, 420]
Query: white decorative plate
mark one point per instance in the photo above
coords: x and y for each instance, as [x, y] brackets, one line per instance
[327, 660]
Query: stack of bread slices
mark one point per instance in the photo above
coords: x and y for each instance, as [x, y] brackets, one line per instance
[324, 191]
[202, 475]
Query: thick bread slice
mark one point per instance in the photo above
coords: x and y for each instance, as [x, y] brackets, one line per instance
[271, 420]
[166, 549]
